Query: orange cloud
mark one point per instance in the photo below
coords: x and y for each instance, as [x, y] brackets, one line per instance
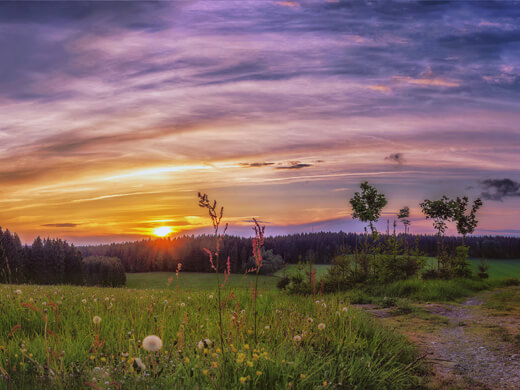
[379, 88]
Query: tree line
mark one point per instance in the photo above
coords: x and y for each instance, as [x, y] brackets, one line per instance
[164, 254]
[53, 261]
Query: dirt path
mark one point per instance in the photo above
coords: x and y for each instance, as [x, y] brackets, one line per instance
[473, 345]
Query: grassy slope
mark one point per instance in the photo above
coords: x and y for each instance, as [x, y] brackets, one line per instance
[352, 350]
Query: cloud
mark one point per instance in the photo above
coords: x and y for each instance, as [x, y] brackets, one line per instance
[395, 157]
[294, 165]
[256, 164]
[61, 225]
[498, 189]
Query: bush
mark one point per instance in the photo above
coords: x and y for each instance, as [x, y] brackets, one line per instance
[103, 271]
[283, 282]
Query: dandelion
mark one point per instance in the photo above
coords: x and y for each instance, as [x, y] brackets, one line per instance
[267, 327]
[258, 373]
[208, 342]
[44, 303]
[83, 300]
[96, 320]
[246, 346]
[303, 376]
[321, 326]
[138, 363]
[243, 379]
[18, 291]
[250, 363]
[297, 338]
[211, 296]
[205, 372]
[214, 364]
[200, 344]
[324, 305]
[309, 320]
[152, 343]
[183, 304]
[345, 309]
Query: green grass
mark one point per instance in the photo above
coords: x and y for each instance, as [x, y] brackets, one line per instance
[63, 348]
[321, 270]
[195, 281]
[499, 268]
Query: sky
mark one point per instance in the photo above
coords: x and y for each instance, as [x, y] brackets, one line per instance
[114, 115]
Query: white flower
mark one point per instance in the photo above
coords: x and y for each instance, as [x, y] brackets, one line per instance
[139, 363]
[309, 319]
[267, 327]
[297, 338]
[345, 309]
[18, 291]
[324, 305]
[96, 320]
[317, 302]
[321, 326]
[183, 304]
[152, 343]
[211, 296]
[44, 303]
[200, 344]
[208, 342]
[84, 300]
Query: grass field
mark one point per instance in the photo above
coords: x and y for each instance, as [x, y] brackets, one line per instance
[49, 339]
[195, 281]
[498, 268]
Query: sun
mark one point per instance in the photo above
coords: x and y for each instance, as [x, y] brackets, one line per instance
[162, 231]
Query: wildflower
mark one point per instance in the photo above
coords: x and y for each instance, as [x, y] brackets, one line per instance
[187, 360]
[18, 291]
[183, 304]
[200, 344]
[44, 303]
[324, 305]
[210, 296]
[303, 376]
[325, 383]
[214, 364]
[297, 338]
[317, 302]
[152, 343]
[250, 363]
[218, 350]
[321, 326]
[309, 320]
[208, 342]
[246, 346]
[345, 309]
[243, 379]
[205, 372]
[83, 300]
[258, 373]
[96, 320]
[138, 363]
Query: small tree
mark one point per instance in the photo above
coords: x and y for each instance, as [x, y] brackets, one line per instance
[403, 216]
[441, 211]
[466, 224]
[367, 206]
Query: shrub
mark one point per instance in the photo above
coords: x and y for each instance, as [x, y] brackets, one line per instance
[103, 271]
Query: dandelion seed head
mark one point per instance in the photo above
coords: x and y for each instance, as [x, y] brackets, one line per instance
[321, 326]
[152, 343]
[96, 320]
[297, 338]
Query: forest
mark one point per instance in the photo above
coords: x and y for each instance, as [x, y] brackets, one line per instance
[165, 253]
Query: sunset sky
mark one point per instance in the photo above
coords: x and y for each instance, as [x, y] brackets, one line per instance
[114, 115]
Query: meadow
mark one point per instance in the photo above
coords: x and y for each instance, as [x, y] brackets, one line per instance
[87, 337]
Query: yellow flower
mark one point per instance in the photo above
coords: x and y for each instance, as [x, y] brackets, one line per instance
[218, 350]
[92, 357]
[258, 373]
[303, 376]
[246, 346]
[243, 379]
[187, 359]
[250, 364]
[103, 359]
[214, 364]
[205, 372]
[325, 383]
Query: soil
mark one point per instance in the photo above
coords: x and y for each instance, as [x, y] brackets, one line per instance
[467, 345]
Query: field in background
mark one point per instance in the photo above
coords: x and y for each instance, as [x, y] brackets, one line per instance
[195, 281]
[206, 281]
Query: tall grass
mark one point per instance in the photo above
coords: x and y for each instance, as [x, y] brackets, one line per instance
[349, 351]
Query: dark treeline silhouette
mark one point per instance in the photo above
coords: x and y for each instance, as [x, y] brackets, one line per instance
[164, 254]
[50, 261]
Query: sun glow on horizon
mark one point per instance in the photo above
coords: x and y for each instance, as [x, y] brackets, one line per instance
[162, 231]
